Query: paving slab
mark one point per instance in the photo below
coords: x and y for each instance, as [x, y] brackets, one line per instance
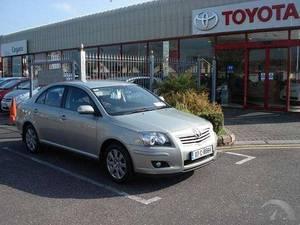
[260, 127]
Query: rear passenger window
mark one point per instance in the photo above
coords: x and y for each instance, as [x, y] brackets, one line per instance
[53, 97]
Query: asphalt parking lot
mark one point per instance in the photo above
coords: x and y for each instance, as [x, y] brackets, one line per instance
[57, 187]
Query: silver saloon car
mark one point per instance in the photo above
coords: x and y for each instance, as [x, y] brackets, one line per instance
[126, 127]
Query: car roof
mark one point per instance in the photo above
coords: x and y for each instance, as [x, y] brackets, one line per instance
[94, 84]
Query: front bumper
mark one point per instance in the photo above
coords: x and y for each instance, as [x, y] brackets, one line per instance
[177, 158]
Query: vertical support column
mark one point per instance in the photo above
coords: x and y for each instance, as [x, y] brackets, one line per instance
[288, 81]
[73, 70]
[166, 56]
[82, 63]
[213, 80]
[246, 77]
[31, 81]
[151, 69]
[199, 69]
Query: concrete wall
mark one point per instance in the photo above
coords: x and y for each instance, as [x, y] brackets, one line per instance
[152, 20]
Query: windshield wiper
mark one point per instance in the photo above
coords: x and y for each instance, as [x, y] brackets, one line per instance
[134, 111]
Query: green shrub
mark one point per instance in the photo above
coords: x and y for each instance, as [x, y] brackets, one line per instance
[177, 84]
[181, 93]
[217, 120]
[198, 104]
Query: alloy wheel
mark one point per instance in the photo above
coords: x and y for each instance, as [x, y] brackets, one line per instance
[31, 139]
[116, 164]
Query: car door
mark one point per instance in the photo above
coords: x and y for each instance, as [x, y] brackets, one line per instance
[80, 130]
[47, 114]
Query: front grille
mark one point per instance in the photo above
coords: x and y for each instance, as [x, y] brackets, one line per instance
[194, 139]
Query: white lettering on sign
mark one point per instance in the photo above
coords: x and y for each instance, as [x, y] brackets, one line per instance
[14, 48]
[247, 16]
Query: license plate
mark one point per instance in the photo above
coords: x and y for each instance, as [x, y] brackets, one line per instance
[201, 153]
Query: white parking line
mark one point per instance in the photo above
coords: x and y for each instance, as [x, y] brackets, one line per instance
[88, 180]
[248, 158]
[10, 140]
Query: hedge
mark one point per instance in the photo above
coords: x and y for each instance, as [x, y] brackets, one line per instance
[181, 93]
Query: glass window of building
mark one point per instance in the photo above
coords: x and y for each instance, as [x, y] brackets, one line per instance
[54, 56]
[156, 48]
[233, 38]
[1, 67]
[197, 48]
[17, 66]
[166, 53]
[72, 56]
[110, 50]
[201, 50]
[230, 75]
[92, 63]
[139, 49]
[42, 57]
[165, 49]
[6, 64]
[26, 60]
[268, 36]
[295, 34]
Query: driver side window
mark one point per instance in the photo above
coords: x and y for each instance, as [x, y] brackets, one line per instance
[77, 97]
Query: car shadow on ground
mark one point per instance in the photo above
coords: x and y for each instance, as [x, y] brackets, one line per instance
[22, 174]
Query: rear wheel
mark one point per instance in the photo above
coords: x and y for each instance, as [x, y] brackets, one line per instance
[31, 139]
[118, 163]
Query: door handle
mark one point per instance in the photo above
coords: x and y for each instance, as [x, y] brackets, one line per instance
[63, 117]
[35, 110]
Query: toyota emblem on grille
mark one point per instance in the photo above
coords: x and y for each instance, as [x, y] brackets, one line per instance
[206, 20]
[197, 133]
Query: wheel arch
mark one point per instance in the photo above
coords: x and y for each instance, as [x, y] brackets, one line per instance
[110, 141]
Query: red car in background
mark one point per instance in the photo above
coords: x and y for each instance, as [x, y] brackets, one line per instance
[10, 85]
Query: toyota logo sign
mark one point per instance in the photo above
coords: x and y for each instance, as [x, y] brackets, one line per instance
[206, 20]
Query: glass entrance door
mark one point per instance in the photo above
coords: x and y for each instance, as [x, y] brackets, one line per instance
[257, 78]
[267, 78]
[230, 77]
[277, 77]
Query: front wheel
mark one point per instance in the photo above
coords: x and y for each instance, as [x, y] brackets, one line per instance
[118, 163]
[31, 139]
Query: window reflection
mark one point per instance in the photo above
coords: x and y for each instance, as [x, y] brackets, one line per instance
[139, 49]
[295, 78]
[110, 50]
[268, 36]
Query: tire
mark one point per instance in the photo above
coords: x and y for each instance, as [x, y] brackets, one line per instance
[31, 139]
[118, 163]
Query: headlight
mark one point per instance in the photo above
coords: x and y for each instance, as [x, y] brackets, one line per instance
[155, 139]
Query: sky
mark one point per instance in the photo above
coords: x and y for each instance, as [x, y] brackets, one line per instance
[17, 15]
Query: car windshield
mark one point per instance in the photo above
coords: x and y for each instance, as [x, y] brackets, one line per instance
[8, 84]
[127, 99]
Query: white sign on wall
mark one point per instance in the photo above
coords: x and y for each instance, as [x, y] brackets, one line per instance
[14, 48]
[263, 14]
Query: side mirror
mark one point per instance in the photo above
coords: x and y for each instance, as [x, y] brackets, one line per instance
[162, 98]
[85, 109]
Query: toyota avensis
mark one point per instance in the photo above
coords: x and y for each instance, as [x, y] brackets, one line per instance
[126, 127]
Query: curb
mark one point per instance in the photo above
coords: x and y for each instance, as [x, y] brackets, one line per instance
[227, 139]
[267, 142]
